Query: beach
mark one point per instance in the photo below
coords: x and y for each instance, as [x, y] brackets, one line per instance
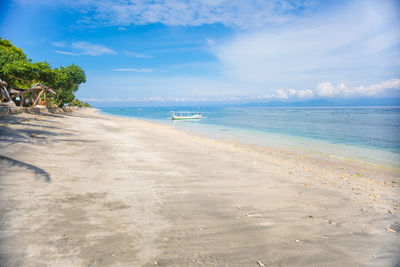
[88, 189]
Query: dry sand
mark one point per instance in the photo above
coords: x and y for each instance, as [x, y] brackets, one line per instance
[85, 189]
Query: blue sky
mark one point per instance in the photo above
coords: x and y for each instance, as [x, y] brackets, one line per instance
[223, 51]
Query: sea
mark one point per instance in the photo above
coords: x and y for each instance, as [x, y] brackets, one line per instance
[365, 134]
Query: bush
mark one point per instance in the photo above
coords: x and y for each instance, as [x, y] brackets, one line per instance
[78, 103]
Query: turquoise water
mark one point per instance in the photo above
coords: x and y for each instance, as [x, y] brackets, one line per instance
[370, 134]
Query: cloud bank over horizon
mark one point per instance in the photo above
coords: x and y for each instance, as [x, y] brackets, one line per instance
[324, 90]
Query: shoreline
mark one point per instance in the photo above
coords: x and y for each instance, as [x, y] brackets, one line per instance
[304, 145]
[123, 191]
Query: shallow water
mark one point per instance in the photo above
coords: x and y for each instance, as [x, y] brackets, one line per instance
[370, 134]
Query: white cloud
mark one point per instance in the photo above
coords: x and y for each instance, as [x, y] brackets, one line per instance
[137, 55]
[150, 99]
[59, 44]
[133, 70]
[83, 48]
[356, 42]
[379, 88]
[90, 49]
[286, 94]
[280, 94]
[210, 41]
[328, 90]
[241, 14]
[322, 90]
[305, 93]
[66, 53]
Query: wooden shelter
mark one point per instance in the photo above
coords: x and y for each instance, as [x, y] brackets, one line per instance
[39, 90]
[32, 96]
[26, 97]
[15, 94]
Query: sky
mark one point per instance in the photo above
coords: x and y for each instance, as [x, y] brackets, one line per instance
[214, 51]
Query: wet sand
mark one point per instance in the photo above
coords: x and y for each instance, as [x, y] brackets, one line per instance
[85, 189]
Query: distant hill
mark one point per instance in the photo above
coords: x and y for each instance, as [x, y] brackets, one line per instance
[306, 103]
[329, 103]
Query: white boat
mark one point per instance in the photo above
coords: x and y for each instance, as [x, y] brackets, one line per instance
[185, 115]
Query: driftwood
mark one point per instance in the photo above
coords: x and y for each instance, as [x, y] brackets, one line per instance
[3, 83]
[37, 98]
[3, 91]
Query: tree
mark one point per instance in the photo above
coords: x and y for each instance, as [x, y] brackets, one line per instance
[23, 73]
[9, 52]
[67, 81]
[78, 103]
[12, 59]
[19, 71]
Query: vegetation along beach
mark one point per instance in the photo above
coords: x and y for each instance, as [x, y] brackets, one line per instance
[198, 133]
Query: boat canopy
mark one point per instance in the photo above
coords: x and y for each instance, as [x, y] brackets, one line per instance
[183, 113]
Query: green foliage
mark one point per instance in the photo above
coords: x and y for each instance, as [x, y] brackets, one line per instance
[30, 72]
[12, 60]
[17, 70]
[9, 52]
[67, 81]
[78, 103]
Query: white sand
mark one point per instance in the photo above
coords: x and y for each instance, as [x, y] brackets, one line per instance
[85, 189]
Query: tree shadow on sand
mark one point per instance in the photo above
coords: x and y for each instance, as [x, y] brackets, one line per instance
[38, 171]
[30, 133]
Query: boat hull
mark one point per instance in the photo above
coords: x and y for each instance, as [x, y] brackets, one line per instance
[186, 118]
